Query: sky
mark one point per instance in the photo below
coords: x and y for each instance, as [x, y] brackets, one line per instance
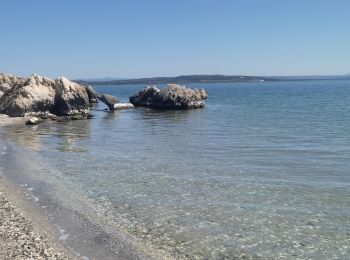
[147, 38]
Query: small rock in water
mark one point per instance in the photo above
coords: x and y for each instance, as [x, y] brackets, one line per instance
[77, 117]
[48, 116]
[109, 100]
[33, 121]
[123, 106]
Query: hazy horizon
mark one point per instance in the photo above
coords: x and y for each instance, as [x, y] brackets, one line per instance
[107, 78]
[133, 39]
[166, 76]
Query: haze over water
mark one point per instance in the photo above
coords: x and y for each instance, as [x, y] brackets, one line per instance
[263, 170]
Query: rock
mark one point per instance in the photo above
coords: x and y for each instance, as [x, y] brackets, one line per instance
[35, 94]
[7, 81]
[43, 95]
[77, 117]
[176, 96]
[45, 115]
[33, 121]
[3, 116]
[71, 98]
[93, 95]
[49, 116]
[144, 98]
[109, 100]
[119, 106]
[171, 97]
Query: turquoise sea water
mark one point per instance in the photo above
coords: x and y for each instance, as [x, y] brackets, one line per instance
[262, 171]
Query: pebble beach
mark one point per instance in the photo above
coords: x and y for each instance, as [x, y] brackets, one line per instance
[20, 236]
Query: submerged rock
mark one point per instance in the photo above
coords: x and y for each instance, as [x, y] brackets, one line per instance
[34, 121]
[41, 95]
[78, 117]
[171, 97]
[48, 116]
[109, 100]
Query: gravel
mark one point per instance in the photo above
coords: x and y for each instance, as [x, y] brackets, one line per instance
[19, 238]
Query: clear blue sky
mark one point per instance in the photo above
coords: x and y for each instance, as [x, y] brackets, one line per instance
[137, 38]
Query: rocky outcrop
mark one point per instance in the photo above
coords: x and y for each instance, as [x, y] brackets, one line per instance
[41, 95]
[71, 98]
[144, 98]
[171, 97]
[7, 82]
[33, 95]
[109, 100]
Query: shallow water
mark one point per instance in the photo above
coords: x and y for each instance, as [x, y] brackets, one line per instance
[262, 171]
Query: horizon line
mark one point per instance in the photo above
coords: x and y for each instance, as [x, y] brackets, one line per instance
[215, 74]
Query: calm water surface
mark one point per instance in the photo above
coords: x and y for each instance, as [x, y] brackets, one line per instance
[262, 171]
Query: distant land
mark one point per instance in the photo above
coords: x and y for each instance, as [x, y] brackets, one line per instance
[177, 80]
[202, 79]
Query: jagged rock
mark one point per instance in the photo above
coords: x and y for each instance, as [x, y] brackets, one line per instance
[171, 97]
[109, 100]
[7, 81]
[42, 95]
[93, 95]
[119, 106]
[35, 94]
[33, 121]
[71, 98]
[144, 98]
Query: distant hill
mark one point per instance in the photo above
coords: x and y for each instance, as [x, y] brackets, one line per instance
[203, 79]
[101, 79]
[178, 80]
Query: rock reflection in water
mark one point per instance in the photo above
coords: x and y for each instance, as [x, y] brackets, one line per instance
[35, 137]
[169, 115]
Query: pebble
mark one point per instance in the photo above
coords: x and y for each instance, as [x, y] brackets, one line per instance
[18, 237]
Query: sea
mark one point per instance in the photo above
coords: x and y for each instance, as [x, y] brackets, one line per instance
[262, 172]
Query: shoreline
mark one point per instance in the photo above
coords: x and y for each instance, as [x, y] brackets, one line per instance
[68, 223]
[24, 232]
